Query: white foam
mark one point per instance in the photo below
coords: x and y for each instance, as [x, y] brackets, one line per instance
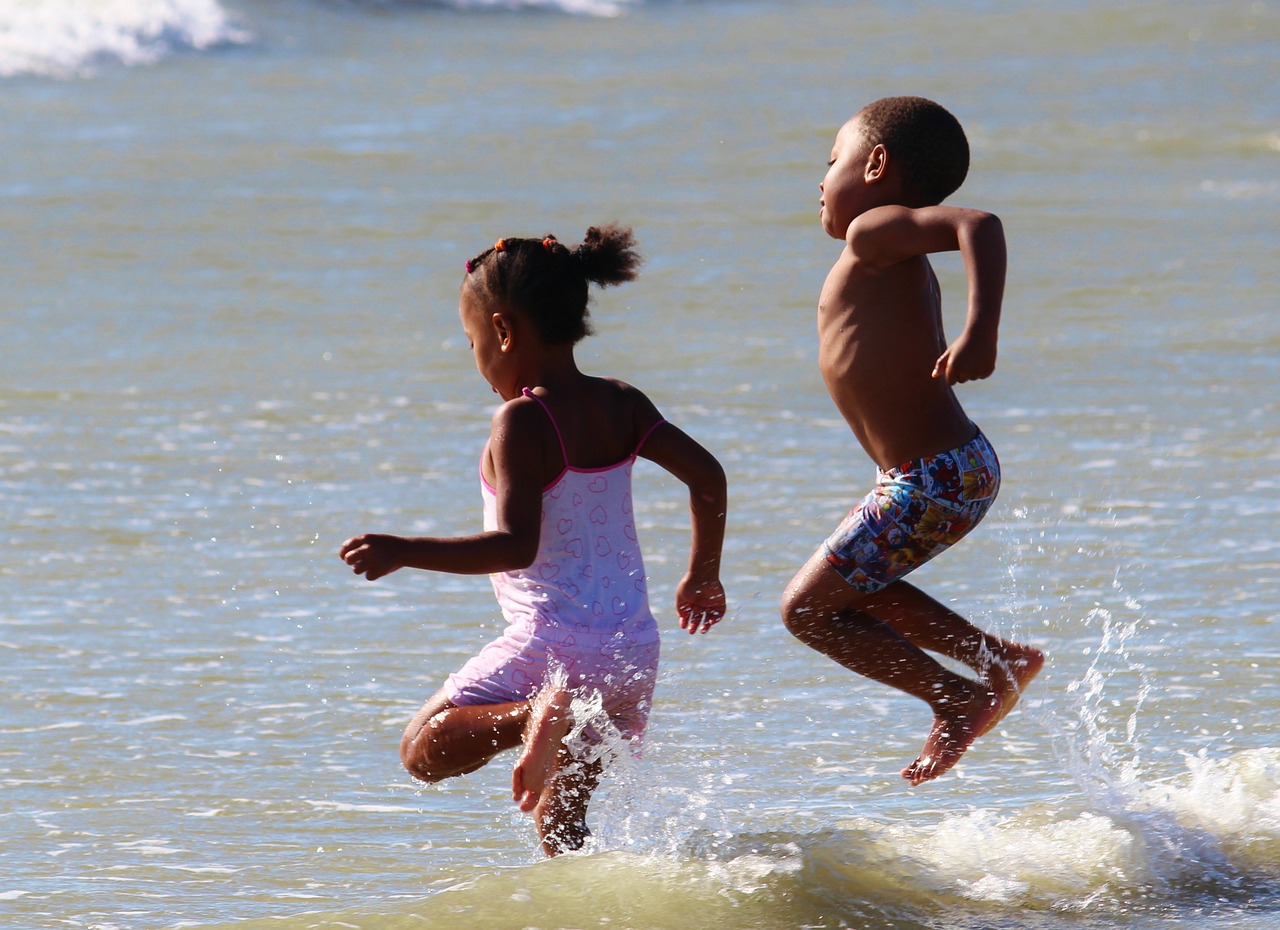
[1206, 828]
[1235, 800]
[68, 38]
[577, 7]
[1030, 859]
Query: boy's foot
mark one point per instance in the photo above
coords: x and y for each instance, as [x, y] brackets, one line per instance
[954, 730]
[549, 723]
[1009, 675]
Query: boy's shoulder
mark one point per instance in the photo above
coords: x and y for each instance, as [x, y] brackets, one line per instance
[893, 233]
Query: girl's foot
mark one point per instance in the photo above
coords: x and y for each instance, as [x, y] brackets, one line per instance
[549, 723]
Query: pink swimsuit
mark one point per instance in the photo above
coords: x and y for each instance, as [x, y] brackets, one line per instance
[582, 606]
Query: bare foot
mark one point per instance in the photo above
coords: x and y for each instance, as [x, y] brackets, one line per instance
[954, 730]
[549, 723]
[1008, 676]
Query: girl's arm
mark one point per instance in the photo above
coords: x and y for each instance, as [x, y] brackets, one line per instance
[700, 600]
[515, 453]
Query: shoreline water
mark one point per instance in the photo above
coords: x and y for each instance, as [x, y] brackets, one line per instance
[232, 342]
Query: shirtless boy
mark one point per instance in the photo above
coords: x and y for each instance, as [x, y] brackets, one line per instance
[890, 372]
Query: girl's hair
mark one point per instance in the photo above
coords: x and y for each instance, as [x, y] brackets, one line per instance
[548, 281]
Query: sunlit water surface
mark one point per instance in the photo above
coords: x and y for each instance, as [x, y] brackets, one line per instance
[233, 237]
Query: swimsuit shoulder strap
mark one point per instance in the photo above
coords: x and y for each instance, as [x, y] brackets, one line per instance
[564, 455]
[645, 438]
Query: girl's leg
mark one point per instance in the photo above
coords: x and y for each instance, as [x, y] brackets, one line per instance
[444, 739]
[561, 812]
[548, 781]
[549, 721]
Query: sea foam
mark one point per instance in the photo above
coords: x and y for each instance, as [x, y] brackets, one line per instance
[70, 38]
[577, 7]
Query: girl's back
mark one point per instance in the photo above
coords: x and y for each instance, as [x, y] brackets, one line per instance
[588, 574]
[600, 422]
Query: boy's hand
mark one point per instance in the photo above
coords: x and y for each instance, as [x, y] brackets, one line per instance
[700, 603]
[372, 554]
[966, 359]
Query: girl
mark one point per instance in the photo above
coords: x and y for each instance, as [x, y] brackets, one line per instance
[559, 538]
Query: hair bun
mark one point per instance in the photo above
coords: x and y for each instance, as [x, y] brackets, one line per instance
[607, 255]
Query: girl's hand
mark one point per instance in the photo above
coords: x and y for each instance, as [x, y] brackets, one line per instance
[372, 554]
[700, 603]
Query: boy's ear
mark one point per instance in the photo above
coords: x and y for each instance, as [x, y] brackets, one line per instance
[877, 163]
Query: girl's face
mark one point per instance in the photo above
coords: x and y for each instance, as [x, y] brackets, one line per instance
[488, 338]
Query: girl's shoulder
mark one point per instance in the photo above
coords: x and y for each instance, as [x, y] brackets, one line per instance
[632, 404]
[619, 387]
[521, 419]
[523, 441]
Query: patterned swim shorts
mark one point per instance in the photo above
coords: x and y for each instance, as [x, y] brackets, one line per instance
[914, 512]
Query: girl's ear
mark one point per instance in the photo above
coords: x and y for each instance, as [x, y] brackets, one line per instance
[502, 326]
[877, 163]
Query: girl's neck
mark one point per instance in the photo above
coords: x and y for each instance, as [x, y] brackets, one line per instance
[554, 369]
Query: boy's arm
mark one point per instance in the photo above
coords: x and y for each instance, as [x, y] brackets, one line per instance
[888, 235]
[514, 443]
[700, 599]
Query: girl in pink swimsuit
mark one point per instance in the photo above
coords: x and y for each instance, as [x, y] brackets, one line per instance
[559, 539]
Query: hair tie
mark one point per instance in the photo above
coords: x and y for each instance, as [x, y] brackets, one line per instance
[500, 245]
[549, 243]
[471, 266]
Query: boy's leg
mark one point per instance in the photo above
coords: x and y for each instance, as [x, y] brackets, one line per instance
[1007, 667]
[444, 739]
[822, 610]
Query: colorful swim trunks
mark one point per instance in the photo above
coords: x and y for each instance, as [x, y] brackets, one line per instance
[915, 511]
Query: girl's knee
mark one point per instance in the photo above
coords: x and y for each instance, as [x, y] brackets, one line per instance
[418, 763]
[423, 755]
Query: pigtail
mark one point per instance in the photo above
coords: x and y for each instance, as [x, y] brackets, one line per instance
[550, 282]
[607, 255]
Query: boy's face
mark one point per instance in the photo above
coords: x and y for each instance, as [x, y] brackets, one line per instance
[845, 189]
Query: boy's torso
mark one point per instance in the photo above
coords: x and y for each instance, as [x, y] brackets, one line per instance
[880, 333]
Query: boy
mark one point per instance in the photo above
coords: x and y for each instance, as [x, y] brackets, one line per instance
[889, 370]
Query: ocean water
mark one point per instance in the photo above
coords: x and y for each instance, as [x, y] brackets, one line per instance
[233, 233]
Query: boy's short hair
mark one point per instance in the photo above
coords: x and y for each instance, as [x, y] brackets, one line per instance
[925, 139]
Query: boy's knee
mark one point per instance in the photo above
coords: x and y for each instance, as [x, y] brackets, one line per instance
[797, 612]
[814, 603]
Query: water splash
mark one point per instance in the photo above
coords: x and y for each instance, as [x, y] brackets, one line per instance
[1097, 761]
